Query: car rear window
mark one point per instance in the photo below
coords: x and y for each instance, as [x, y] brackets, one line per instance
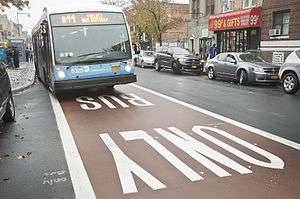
[222, 57]
[251, 58]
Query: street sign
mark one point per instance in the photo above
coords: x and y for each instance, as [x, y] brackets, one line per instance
[138, 143]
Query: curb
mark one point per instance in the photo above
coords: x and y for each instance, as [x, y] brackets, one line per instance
[25, 86]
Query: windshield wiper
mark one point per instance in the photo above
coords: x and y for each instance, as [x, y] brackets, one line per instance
[88, 54]
[100, 60]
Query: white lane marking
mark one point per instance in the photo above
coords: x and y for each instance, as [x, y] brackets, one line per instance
[170, 157]
[84, 101]
[108, 103]
[119, 101]
[201, 152]
[136, 100]
[225, 119]
[275, 162]
[80, 180]
[126, 167]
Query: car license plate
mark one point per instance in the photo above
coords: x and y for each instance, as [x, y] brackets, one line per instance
[274, 77]
[115, 68]
[194, 66]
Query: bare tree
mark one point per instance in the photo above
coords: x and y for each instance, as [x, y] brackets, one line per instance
[152, 18]
[20, 4]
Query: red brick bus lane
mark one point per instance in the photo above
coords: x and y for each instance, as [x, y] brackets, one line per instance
[136, 143]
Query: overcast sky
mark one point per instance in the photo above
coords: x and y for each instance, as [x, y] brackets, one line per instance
[36, 7]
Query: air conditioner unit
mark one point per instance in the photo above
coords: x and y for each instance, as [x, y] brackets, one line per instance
[274, 32]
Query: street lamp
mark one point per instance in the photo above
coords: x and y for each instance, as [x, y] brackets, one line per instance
[18, 22]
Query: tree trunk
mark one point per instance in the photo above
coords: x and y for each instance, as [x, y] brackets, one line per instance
[160, 39]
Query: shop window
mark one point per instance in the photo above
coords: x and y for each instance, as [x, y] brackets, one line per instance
[249, 3]
[281, 21]
[227, 5]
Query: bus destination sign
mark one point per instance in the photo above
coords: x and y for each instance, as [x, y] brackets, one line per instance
[88, 18]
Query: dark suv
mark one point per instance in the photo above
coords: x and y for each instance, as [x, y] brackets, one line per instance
[178, 59]
[7, 107]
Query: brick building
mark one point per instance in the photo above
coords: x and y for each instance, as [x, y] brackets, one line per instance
[280, 29]
[177, 36]
[200, 38]
[236, 25]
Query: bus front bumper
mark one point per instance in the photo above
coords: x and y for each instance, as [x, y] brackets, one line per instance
[93, 82]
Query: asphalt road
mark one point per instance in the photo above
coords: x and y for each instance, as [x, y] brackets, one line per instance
[265, 107]
[38, 161]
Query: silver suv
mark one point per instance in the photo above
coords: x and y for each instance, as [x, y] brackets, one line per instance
[289, 73]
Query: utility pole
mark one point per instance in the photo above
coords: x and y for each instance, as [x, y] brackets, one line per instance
[18, 22]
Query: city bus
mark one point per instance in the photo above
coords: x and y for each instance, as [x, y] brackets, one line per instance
[82, 46]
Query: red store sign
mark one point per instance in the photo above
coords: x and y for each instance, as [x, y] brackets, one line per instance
[249, 18]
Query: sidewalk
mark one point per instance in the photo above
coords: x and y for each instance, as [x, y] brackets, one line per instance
[23, 77]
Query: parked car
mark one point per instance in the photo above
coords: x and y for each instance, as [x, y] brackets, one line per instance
[7, 107]
[178, 59]
[243, 67]
[289, 73]
[145, 59]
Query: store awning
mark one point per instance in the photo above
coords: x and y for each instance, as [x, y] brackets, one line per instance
[249, 18]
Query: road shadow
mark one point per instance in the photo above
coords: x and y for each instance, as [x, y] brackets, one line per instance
[93, 92]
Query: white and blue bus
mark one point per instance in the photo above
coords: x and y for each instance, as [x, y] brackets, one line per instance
[82, 46]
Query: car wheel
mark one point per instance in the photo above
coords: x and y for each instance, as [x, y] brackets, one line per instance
[211, 73]
[290, 83]
[9, 115]
[157, 66]
[243, 77]
[175, 68]
[199, 73]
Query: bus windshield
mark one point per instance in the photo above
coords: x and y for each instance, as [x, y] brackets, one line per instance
[91, 43]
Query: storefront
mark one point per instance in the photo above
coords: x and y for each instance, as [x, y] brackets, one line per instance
[237, 31]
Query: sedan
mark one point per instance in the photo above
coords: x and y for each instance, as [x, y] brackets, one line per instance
[178, 60]
[290, 73]
[145, 59]
[7, 107]
[243, 67]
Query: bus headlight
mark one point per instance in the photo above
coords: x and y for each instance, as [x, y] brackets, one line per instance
[60, 73]
[128, 68]
[130, 62]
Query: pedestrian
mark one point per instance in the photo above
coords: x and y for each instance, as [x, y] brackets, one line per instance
[16, 57]
[9, 57]
[31, 55]
[3, 54]
[212, 51]
[27, 54]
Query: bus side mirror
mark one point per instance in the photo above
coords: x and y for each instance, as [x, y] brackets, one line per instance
[44, 27]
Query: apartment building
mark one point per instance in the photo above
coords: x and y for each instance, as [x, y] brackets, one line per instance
[176, 36]
[8, 29]
[200, 38]
[280, 29]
